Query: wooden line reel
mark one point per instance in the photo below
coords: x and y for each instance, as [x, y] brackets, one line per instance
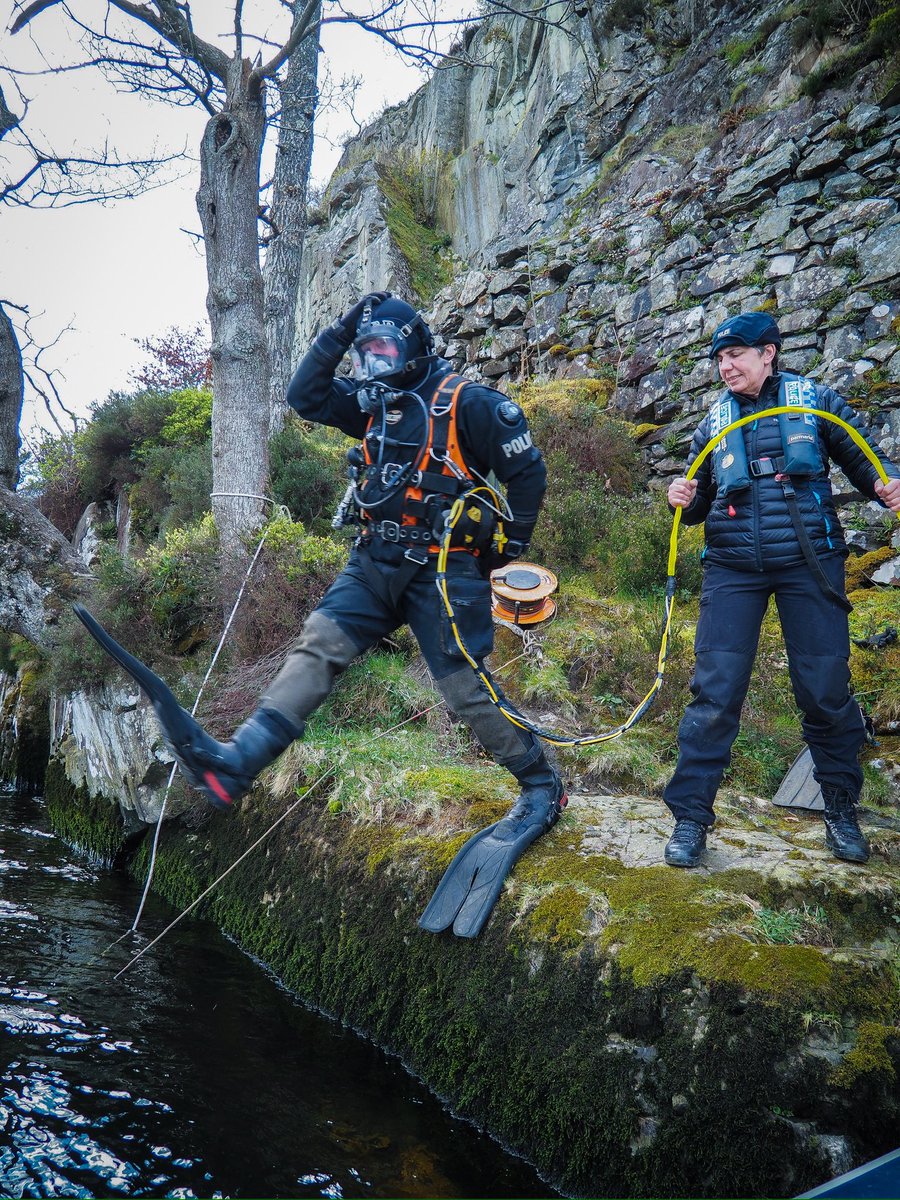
[520, 593]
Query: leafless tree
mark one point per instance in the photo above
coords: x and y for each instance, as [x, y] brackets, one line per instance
[154, 49]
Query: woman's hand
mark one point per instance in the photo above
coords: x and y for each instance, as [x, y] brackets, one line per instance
[682, 491]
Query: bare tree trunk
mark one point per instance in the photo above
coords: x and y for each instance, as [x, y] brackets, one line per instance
[228, 203]
[11, 391]
[288, 213]
[39, 571]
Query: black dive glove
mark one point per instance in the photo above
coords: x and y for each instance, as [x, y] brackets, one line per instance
[345, 326]
[492, 561]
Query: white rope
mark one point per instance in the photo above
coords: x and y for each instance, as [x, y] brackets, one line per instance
[278, 820]
[162, 812]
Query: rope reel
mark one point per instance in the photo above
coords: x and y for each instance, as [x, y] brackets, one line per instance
[520, 593]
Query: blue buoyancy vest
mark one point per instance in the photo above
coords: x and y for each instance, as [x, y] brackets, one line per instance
[799, 436]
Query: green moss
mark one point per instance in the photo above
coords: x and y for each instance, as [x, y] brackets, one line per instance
[559, 917]
[92, 824]
[411, 185]
[869, 1056]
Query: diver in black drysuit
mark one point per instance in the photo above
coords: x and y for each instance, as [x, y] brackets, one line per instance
[390, 579]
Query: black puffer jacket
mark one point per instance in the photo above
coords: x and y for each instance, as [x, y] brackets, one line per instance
[752, 529]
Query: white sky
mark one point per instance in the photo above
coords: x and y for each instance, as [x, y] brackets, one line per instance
[126, 270]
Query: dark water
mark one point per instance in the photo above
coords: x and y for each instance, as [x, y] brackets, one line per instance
[194, 1074]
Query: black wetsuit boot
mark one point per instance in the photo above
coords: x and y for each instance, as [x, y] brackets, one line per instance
[843, 836]
[227, 769]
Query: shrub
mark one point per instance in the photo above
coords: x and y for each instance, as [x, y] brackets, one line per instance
[107, 445]
[182, 577]
[54, 480]
[308, 466]
[190, 421]
[568, 419]
[173, 489]
[294, 571]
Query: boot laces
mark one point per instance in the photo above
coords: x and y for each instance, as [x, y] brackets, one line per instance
[687, 832]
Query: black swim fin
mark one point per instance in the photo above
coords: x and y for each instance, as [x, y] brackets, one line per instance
[471, 884]
[193, 749]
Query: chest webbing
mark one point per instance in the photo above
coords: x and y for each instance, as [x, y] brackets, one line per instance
[435, 475]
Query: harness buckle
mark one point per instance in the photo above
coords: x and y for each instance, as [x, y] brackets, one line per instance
[417, 555]
[389, 531]
[763, 466]
[391, 473]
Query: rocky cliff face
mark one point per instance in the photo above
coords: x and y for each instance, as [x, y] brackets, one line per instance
[609, 195]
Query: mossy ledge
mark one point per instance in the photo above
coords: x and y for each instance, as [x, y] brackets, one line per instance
[614, 1075]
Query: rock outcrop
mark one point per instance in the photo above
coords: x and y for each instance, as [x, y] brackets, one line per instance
[610, 195]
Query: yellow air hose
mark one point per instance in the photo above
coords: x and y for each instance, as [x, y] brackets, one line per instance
[591, 739]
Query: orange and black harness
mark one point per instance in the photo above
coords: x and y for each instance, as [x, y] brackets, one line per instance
[435, 477]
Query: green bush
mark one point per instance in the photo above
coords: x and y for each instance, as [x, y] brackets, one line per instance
[190, 421]
[53, 478]
[293, 573]
[182, 576]
[308, 467]
[173, 489]
[118, 427]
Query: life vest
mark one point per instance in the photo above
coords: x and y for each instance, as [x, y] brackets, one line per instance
[426, 485]
[799, 437]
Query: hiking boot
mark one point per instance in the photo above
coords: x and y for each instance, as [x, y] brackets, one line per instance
[687, 843]
[843, 836]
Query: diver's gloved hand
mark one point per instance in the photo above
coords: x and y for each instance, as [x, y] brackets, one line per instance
[349, 321]
[494, 560]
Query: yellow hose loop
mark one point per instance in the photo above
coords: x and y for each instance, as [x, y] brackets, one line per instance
[555, 739]
[769, 412]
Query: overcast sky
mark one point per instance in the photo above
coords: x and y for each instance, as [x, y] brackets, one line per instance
[126, 270]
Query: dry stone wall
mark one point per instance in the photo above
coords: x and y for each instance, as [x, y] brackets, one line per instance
[611, 195]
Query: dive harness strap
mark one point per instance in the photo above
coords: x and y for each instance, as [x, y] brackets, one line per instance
[760, 467]
[809, 553]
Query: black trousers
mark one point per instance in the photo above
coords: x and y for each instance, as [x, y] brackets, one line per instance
[359, 609]
[817, 639]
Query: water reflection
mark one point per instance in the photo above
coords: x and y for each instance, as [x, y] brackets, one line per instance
[193, 1075]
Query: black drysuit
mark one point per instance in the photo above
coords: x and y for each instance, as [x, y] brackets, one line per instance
[363, 604]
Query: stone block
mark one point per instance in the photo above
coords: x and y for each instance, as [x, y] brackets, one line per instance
[773, 226]
[506, 281]
[822, 158]
[879, 254]
[474, 284]
[803, 288]
[509, 308]
[843, 186]
[795, 193]
[781, 264]
[723, 274]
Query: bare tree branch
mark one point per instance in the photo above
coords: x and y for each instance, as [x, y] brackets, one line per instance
[302, 28]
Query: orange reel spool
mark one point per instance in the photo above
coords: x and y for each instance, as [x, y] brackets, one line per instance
[520, 593]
